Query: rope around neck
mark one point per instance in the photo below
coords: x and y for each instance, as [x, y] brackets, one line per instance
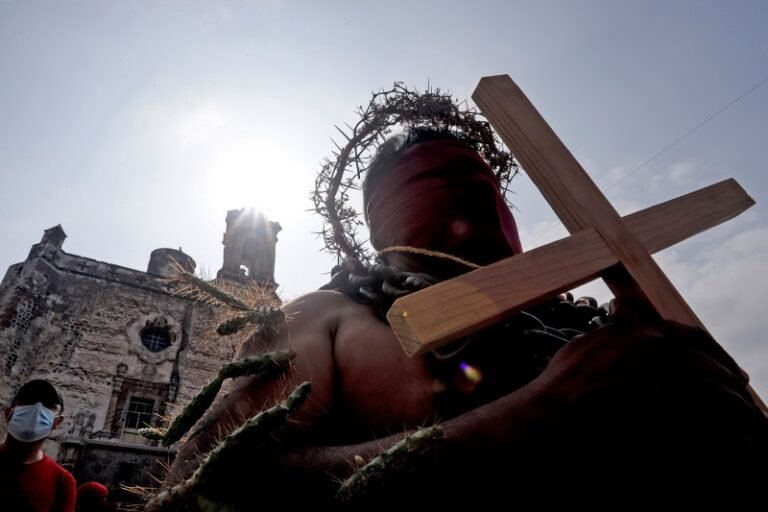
[427, 252]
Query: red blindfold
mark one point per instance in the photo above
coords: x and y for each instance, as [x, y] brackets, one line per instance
[434, 191]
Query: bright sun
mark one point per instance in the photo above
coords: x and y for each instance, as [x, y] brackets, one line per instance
[261, 175]
[241, 165]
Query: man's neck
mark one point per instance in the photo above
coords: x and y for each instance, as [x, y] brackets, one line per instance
[440, 268]
[22, 453]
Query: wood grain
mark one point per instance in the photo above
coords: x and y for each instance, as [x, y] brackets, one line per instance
[430, 318]
[574, 197]
[441, 313]
[673, 221]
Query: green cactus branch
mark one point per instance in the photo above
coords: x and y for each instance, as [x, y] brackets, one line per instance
[264, 317]
[257, 431]
[394, 459]
[270, 361]
[201, 287]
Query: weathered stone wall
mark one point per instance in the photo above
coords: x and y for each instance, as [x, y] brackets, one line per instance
[116, 465]
[77, 322]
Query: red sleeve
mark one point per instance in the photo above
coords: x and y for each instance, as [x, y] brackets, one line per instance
[67, 492]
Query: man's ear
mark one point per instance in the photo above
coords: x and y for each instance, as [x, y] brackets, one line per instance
[8, 412]
[58, 419]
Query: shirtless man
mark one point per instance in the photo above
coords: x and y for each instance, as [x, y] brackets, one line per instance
[638, 391]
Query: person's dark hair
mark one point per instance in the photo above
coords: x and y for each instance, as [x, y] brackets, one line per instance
[38, 390]
[391, 149]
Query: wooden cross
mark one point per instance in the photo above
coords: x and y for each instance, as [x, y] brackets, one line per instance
[601, 243]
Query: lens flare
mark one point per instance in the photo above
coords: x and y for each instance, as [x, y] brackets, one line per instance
[472, 374]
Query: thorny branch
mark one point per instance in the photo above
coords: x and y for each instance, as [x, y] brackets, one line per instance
[402, 107]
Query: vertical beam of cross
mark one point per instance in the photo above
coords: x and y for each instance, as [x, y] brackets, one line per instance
[428, 319]
[575, 198]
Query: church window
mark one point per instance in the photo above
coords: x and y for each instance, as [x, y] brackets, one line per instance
[135, 403]
[155, 339]
[139, 413]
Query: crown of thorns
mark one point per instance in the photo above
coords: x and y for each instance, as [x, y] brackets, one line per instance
[405, 108]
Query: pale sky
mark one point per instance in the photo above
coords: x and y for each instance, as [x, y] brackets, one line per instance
[137, 125]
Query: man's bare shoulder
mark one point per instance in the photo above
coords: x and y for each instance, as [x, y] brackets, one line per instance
[323, 306]
[315, 319]
[312, 322]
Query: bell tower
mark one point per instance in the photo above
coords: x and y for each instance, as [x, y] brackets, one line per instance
[249, 248]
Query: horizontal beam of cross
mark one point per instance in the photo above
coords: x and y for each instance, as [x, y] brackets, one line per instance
[430, 318]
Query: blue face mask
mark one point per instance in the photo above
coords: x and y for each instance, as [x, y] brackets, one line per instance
[30, 423]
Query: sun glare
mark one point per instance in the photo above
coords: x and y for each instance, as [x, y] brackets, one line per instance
[240, 163]
[259, 175]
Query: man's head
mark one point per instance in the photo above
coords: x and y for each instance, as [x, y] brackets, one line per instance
[35, 411]
[426, 189]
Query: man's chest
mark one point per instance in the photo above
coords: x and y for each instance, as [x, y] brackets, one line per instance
[378, 386]
[384, 388]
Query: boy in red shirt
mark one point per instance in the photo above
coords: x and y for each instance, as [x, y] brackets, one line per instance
[30, 481]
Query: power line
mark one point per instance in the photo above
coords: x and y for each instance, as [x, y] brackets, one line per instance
[686, 134]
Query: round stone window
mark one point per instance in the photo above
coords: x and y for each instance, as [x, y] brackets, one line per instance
[155, 338]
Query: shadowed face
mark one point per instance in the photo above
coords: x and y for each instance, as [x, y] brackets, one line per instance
[440, 195]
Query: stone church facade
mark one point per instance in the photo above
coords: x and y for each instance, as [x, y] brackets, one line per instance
[124, 348]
